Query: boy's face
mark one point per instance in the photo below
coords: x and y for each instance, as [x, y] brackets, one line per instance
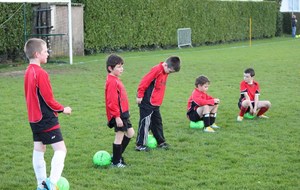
[203, 88]
[43, 55]
[167, 69]
[118, 70]
[247, 78]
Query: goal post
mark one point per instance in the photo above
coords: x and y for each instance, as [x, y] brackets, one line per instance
[184, 37]
[68, 2]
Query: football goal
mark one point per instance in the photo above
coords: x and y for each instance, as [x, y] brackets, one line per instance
[184, 37]
[43, 31]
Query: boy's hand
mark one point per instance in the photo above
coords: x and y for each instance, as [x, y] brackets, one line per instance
[139, 100]
[251, 110]
[254, 110]
[119, 122]
[67, 110]
[217, 100]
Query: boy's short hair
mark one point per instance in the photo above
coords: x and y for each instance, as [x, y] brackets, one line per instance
[32, 46]
[201, 80]
[250, 71]
[113, 60]
[173, 62]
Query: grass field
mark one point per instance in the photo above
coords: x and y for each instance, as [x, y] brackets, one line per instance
[254, 154]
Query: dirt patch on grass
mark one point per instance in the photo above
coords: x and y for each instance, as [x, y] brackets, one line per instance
[12, 73]
[21, 73]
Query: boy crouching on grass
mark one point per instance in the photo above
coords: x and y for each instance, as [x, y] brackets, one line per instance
[201, 106]
[117, 109]
[249, 101]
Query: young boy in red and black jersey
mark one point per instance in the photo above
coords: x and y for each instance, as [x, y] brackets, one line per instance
[117, 109]
[150, 96]
[43, 112]
[249, 100]
[201, 106]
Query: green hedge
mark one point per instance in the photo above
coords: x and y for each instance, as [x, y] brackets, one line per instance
[12, 30]
[135, 24]
[127, 24]
[279, 23]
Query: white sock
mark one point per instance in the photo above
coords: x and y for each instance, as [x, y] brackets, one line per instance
[57, 165]
[39, 166]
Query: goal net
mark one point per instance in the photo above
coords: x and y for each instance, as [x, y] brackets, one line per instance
[51, 22]
[184, 37]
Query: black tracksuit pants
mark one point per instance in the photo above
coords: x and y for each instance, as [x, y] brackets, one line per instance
[150, 119]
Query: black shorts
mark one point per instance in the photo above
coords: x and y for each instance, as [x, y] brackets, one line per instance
[194, 116]
[248, 110]
[126, 124]
[49, 137]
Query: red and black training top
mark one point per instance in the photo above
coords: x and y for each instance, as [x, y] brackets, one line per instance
[251, 89]
[199, 99]
[42, 108]
[116, 100]
[152, 86]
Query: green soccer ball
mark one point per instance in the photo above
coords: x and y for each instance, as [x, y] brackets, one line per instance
[249, 116]
[102, 158]
[196, 125]
[63, 184]
[151, 142]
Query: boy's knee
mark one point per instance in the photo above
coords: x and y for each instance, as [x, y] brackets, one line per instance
[206, 109]
[39, 147]
[130, 133]
[246, 103]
